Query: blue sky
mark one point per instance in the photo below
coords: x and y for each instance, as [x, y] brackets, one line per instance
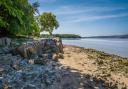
[88, 17]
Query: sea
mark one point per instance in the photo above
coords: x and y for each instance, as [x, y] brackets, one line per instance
[115, 46]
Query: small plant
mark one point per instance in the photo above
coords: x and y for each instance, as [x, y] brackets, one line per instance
[100, 62]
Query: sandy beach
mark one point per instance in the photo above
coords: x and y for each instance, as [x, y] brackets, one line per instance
[112, 70]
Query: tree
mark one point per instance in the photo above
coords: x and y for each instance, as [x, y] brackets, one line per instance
[48, 22]
[16, 17]
[35, 6]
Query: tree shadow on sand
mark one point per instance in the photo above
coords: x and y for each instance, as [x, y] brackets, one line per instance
[73, 79]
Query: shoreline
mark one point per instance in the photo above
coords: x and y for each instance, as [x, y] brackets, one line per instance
[109, 46]
[93, 49]
[112, 69]
[81, 68]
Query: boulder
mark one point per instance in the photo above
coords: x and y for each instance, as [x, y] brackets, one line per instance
[5, 41]
[30, 87]
[38, 48]
[39, 72]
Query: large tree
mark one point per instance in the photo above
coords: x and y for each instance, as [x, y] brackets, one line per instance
[48, 22]
[16, 18]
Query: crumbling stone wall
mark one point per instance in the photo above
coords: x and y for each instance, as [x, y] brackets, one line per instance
[32, 67]
[53, 47]
[5, 41]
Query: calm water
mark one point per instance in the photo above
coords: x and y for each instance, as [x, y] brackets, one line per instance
[111, 46]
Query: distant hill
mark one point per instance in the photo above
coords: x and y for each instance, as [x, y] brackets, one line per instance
[63, 35]
[112, 36]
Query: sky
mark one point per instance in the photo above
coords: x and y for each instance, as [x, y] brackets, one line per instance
[88, 17]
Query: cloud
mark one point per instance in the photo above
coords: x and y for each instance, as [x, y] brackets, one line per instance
[70, 10]
[75, 14]
[71, 14]
[94, 18]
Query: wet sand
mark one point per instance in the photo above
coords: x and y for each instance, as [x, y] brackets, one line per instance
[108, 68]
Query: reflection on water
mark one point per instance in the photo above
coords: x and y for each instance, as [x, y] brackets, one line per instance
[112, 46]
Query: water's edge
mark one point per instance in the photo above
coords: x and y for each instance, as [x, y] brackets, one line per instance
[111, 46]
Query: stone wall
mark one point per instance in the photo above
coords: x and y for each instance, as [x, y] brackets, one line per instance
[32, 67]
[44, 47]
[5, 41]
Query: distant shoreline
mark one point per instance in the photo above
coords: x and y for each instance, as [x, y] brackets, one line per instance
[112, 36]
[62, 35]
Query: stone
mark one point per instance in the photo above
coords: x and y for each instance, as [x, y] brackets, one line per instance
[15, 62]
[22, 50]
[54, 57]
[31, 61]
[1, 52]
[1, 82]
[6, 50]
[39, 61]
[30, 87]
[5, 59]
[44, 46]
[60, 55]
[46, 55]
[5, 41]
[23, 63]
[38, 72]
[59, 44]
[1, 71]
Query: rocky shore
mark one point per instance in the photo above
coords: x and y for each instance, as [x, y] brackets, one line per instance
[22, 67]
[105, 71]
[79, 69]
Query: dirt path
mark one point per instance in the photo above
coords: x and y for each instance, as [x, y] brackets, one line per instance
[83, 73]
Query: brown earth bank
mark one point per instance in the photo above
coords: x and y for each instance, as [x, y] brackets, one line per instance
[91, 69]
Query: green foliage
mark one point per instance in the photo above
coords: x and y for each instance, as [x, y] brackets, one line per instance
[67, 35]
[16, 17]
[35, 6]
[63, 35]
[36, 29]
[48, 22]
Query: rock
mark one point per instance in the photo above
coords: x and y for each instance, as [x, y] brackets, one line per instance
[23, 63]
[22, 50]
[31, 61]
[59, 44]
[55, 57]
[5, 41]
[1, 71]
[6, 85]
[39, 72]
[6, 50]
[15, 44]
[5, 59]
[15, 62]
[30, 87]
[1, 52]
[60, 55]
[1, 82]
[39, 48]
[46, 56]
[39, 61]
